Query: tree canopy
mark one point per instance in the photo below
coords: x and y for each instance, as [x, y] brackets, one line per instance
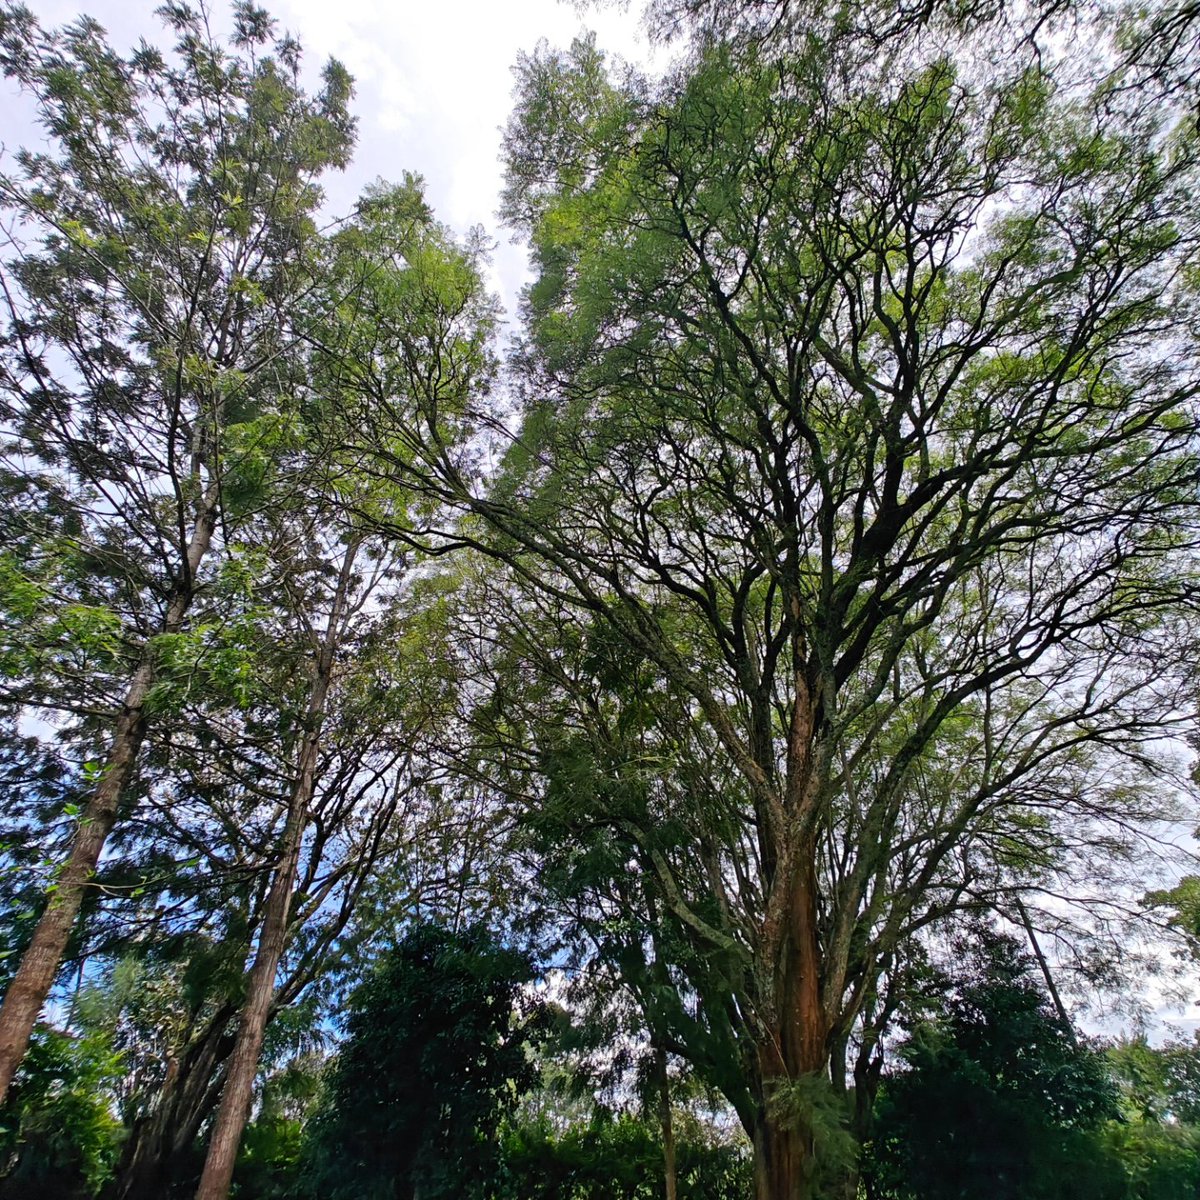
[799, 604]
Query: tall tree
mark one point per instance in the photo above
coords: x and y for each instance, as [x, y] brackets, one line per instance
[169, 225]
[230, 804]
[436, 1055]
[237, 1093]
[860, 412]
[394, 279]
[228, 796]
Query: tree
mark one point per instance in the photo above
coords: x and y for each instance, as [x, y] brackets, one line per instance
[237, 1093]
[996, 1096]
[396, 279]
[375, 812]
[614, 1156]
[840, 419]
[1159, 1083]
[435, 1055]
[170, 223]
[300, 730]
[1158, 1142]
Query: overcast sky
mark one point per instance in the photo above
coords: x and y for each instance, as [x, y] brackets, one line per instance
[433, 86]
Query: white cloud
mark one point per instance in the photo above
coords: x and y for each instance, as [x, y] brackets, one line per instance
[434, 88]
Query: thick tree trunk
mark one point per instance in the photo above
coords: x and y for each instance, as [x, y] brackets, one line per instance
[782, 1161]
[40, 963]
[238, 1093]
[796, 1047]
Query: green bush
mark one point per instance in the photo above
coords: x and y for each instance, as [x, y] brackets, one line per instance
[59, 1135]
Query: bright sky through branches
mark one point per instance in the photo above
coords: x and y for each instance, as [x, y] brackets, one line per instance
[433, 87]
[433, 91]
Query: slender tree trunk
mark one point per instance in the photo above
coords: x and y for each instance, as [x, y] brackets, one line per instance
[238, 1093]
[668, 1126]
[1047, 974]
[40, 963]
[868, 1071]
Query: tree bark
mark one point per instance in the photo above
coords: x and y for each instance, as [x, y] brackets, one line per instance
[40, 963]
[796, 1046]
[668, 1127]
[782, 1161]
[238, 1093]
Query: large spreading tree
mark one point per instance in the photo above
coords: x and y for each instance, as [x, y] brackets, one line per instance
[840, 519]
[854, 500]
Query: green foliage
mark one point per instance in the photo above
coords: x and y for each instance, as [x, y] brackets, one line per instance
[1157, 1143]
[997, 1098]
[1151, 1161]
[435, 1055]
[1181, 905]
[58, 1135]
[401, 359]
[613, 1158]
[148, 359]
[1159, 1083]
[809, 1103]
[42, 790]
[270, 1158]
